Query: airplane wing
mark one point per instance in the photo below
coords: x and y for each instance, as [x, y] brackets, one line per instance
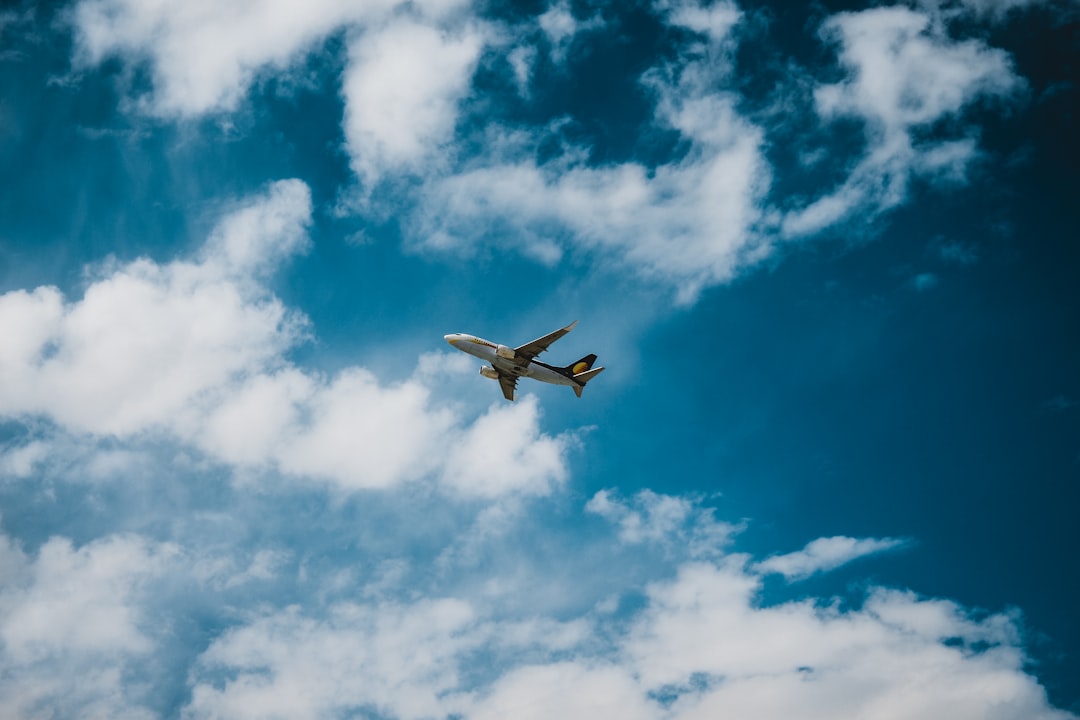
[530, 350]
[508, 383]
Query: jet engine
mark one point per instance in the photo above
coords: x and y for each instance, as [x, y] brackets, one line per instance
[505, 352]
[489, 372]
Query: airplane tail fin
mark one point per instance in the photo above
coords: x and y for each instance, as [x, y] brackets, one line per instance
[580, 366]
[583, 377]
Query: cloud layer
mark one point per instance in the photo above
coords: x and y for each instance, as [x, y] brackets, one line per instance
[79, 625]
[456, 179]
[195, 350]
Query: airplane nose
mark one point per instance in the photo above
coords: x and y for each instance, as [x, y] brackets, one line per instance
[450, 338]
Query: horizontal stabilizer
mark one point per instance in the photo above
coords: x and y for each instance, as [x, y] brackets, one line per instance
[583, 377]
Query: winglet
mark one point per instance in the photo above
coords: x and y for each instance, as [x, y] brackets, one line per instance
[570, 327]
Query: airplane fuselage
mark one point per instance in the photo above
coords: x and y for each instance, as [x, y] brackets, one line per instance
[488, 351]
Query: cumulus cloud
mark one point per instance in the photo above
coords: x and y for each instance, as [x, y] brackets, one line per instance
[74, 625]
[100, 630]
[799, 659]
[825, 554]
[905, 74]
[205, 55]
[402, 87]
[200, 62]
[147, 341]
[702, 646]
[390, 659]
[196, 350]
[503, 451]
[409, 63]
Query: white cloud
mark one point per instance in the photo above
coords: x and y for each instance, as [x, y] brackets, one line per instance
[200, 60]
[21, 461]
[246, 427]
[409, 64]
[503, 451]
[905, 75]
[147, 342]
[689, 223]
[78, 600]
[993, 10]
[402, 88]
[558, 23]
[221, 572]
[101, 629]
[570, 690]
[359, 433]
[200, 63]
[195, 350]
[666, 520]
[73, 624]
[561, 27]
[716, 20]
[702, 646]
[799, 659]
[825, 554]
[392, 659]
[366, 435]
[521, 61]
[257, 236]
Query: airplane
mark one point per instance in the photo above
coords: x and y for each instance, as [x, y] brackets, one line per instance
[508, 364]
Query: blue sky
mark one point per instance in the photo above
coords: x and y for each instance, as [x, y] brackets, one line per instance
[827, 254]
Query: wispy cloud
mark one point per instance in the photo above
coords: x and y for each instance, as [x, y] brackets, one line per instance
[825, 554]
[561, 27]
[1059, 402]
[925, 281]
[993, 10]
[689, 222]
[957, 253]
[905, 73]
[649, 517]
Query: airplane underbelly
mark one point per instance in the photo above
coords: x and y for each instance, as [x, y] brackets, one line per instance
[481, 351]
[543, 374]
[508, 366]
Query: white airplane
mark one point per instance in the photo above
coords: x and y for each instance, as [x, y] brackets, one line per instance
[508, 364]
